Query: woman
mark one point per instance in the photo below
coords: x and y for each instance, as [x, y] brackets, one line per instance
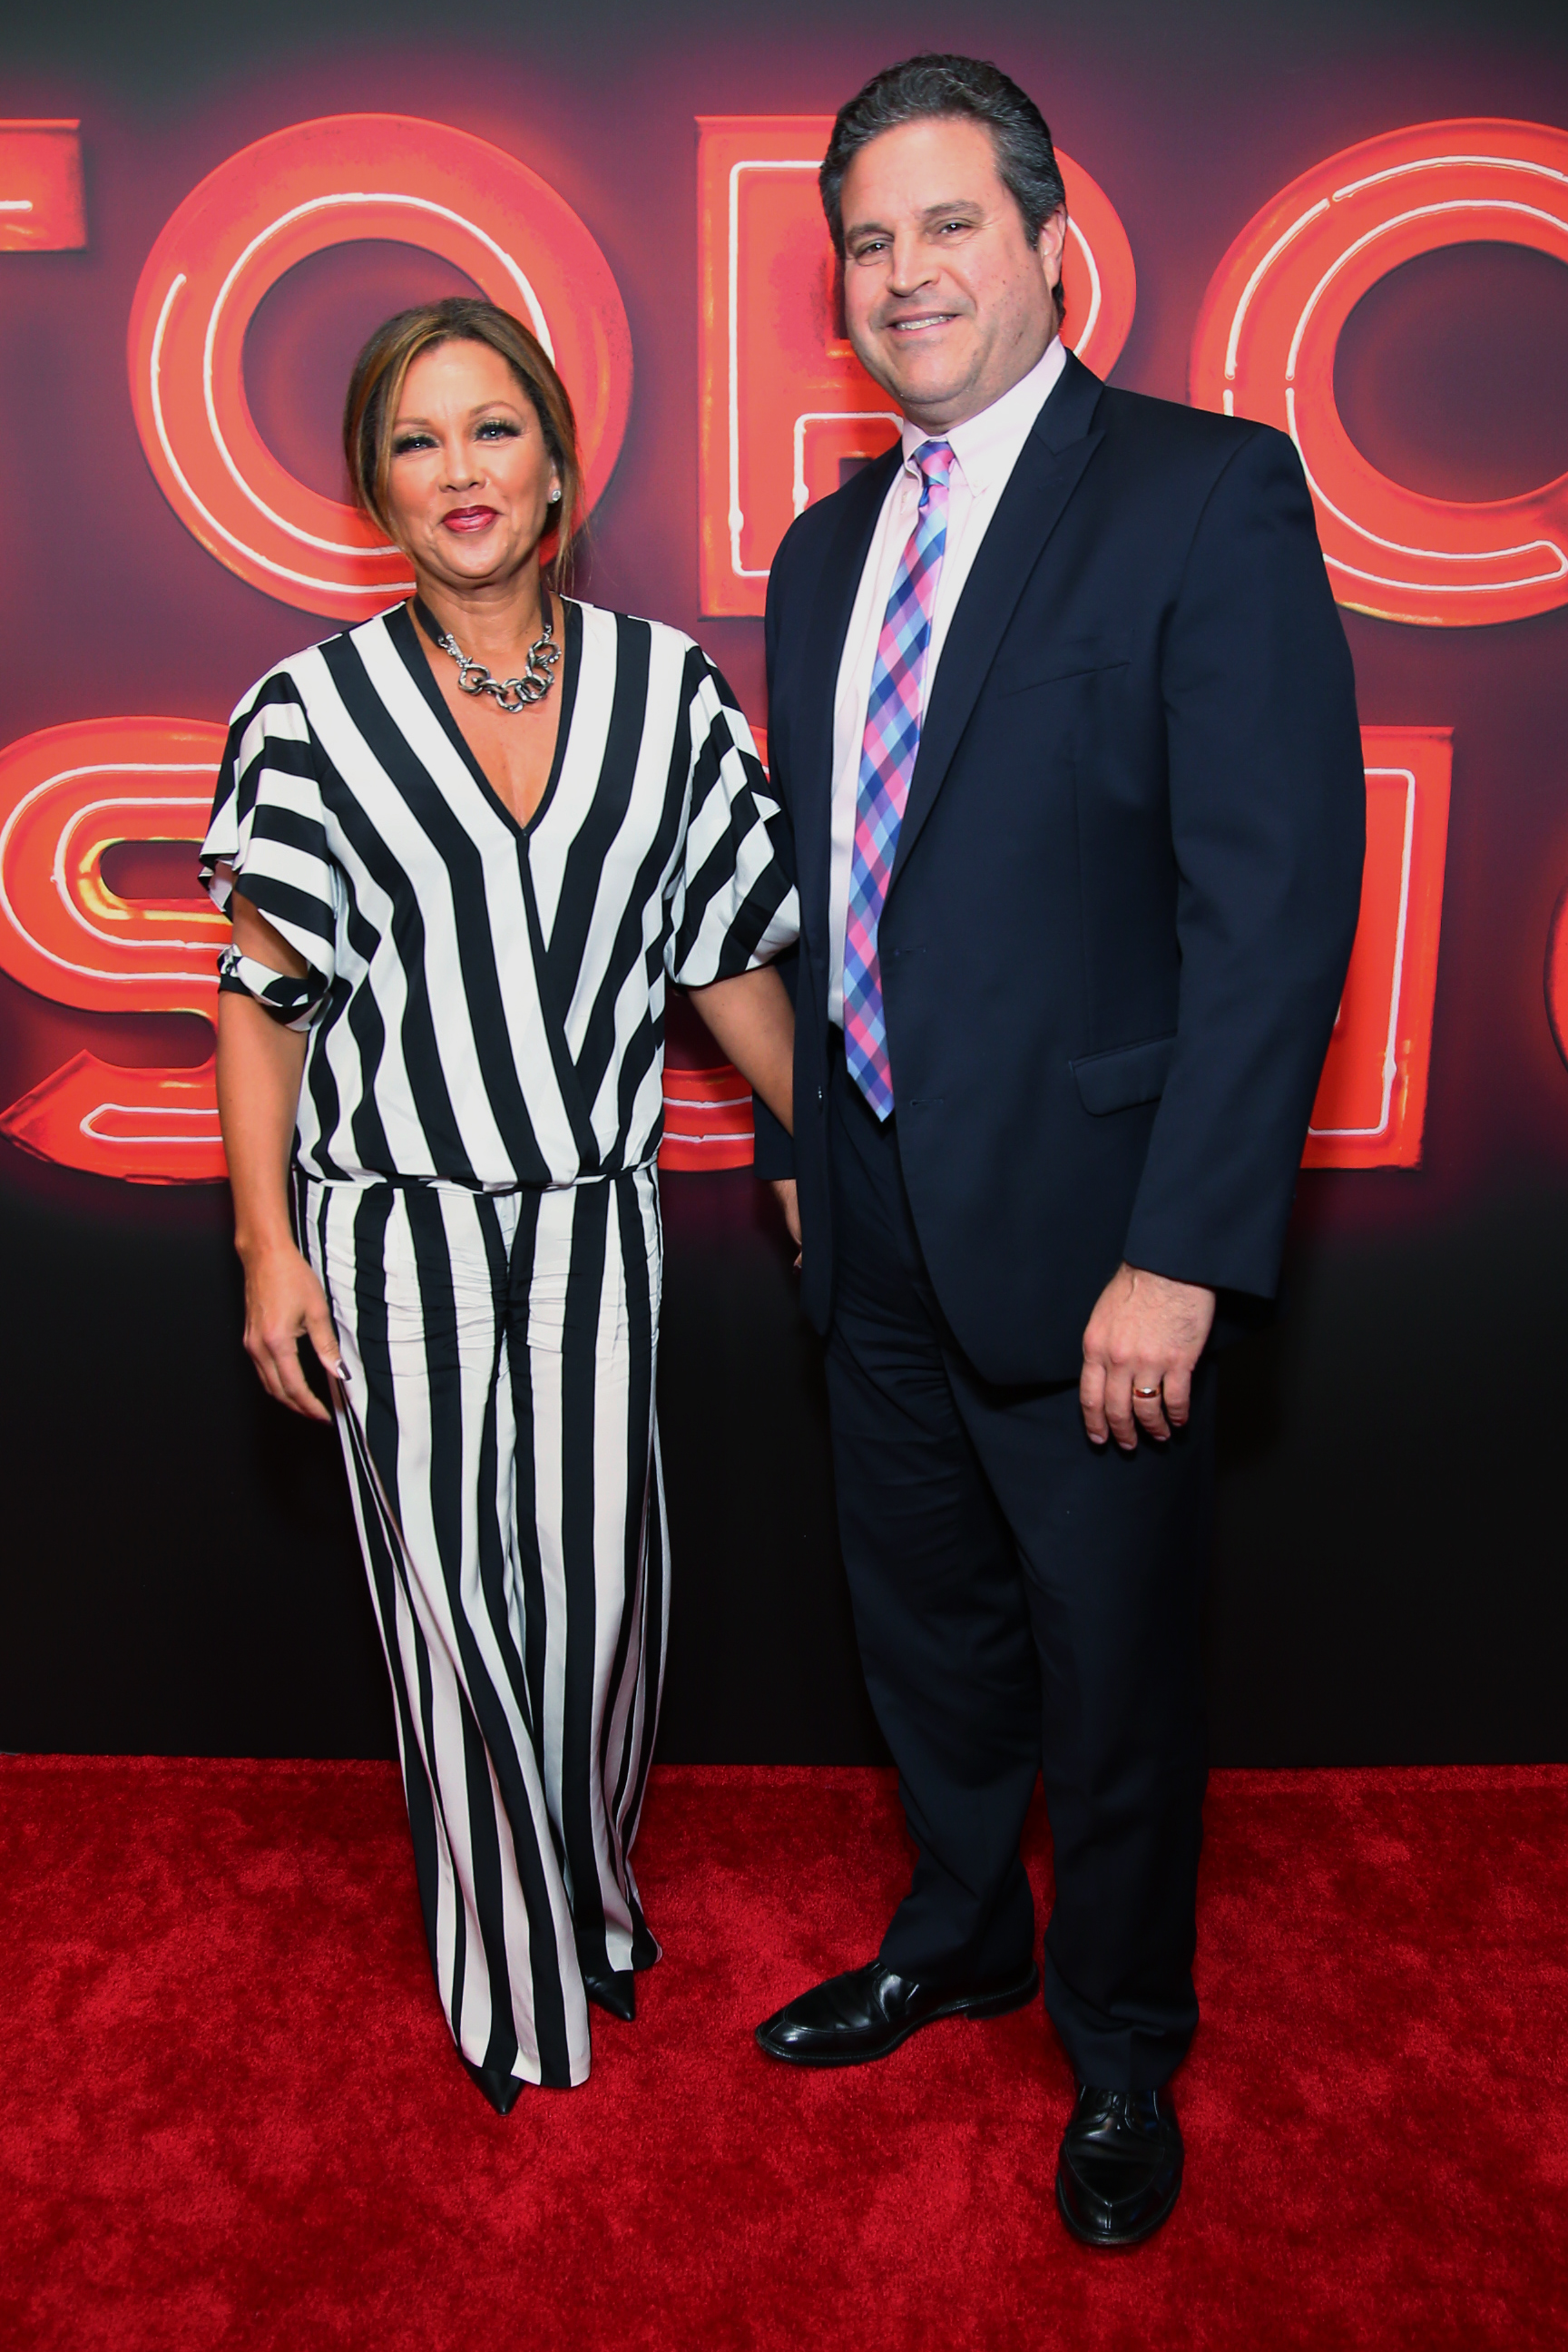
[463, 846]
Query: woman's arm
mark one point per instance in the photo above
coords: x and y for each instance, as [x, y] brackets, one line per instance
[259, 1067]
[752, 1020]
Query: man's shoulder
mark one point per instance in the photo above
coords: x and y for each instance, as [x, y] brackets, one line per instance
[1168, 432]
[855, 503]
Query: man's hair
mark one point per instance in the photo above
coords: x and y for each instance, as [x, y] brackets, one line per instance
[377, 387]
[929, 88]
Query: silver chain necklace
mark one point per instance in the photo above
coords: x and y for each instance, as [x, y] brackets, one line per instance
[512, 694]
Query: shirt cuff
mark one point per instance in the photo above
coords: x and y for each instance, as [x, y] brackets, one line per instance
[293, 1001]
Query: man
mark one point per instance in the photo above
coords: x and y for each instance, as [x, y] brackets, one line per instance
[1063, 717]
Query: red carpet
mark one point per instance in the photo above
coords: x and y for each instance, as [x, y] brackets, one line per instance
[232, 2117]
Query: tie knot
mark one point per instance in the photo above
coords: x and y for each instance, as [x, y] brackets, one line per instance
[934, 459]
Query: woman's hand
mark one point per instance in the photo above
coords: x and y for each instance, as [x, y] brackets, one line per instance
[283, 1304]
[786, 1194]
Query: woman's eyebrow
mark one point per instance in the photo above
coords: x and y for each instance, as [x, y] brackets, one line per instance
[481, 409]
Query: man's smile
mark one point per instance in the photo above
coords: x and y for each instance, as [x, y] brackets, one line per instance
[922, 322]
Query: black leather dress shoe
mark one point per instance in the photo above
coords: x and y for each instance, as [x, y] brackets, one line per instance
[869, 2011]
[614, 1989]
[1120, 2170]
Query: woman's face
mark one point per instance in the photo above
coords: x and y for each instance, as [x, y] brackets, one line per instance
[468, 490]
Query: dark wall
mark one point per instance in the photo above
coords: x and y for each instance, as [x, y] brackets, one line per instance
[179, 1571]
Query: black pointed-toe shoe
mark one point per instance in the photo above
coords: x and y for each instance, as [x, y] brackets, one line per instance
[501, 2090]
[867, 2012]
[1120, 2170]
[614, 1989]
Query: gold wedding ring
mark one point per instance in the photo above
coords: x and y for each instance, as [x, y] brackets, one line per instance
[1147, 1392]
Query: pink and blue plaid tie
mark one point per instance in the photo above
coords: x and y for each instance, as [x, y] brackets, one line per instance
[887, 763]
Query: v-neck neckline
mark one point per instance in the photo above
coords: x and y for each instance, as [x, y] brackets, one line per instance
[405, 630]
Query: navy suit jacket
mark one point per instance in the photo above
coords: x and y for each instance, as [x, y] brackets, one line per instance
[1128, 878]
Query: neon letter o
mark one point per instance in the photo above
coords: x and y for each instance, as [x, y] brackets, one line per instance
[1099, 279]
[1264, 347]
[295, 194]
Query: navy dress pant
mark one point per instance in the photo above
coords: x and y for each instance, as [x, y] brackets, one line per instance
[1024, 1603]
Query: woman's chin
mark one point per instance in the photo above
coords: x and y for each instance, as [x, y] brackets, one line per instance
[469, 565]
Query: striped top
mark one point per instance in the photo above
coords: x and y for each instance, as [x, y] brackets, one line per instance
[484, 998]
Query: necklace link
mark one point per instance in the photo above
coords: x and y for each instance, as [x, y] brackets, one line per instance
[511, 693]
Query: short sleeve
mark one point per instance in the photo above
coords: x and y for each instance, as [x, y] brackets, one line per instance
[268, 837]
[734, 905]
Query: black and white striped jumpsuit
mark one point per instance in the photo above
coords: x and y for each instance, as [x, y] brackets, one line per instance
[477, 1127]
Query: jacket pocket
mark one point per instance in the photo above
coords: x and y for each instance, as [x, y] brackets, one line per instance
[1125, 1076]
[1080, 657]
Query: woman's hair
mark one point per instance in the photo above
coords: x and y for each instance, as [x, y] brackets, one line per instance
[928, 87]
[375, 390]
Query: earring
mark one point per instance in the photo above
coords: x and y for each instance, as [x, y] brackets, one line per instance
[554, 495]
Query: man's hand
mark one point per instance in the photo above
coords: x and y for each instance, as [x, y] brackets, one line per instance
[1146, 1333]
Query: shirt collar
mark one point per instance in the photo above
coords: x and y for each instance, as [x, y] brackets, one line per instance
[987, 447]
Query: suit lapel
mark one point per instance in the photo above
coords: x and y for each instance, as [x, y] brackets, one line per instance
[1048, 472]
[838, 584]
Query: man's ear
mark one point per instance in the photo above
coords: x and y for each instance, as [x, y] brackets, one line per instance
[1052, 242]
[1051, 246]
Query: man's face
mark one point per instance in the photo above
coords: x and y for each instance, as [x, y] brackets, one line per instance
[946, 300]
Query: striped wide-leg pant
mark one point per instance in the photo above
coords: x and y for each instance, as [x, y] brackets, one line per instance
[498, 1422]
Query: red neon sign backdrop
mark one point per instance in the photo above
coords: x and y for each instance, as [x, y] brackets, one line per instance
[1372, 1100]
[784, 403]
[1265, 341]
[1557, 974]
[41, 204]
[67, 795]
[271, 205]
[707, 1120]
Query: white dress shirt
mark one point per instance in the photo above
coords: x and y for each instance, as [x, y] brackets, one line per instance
[985, 448]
